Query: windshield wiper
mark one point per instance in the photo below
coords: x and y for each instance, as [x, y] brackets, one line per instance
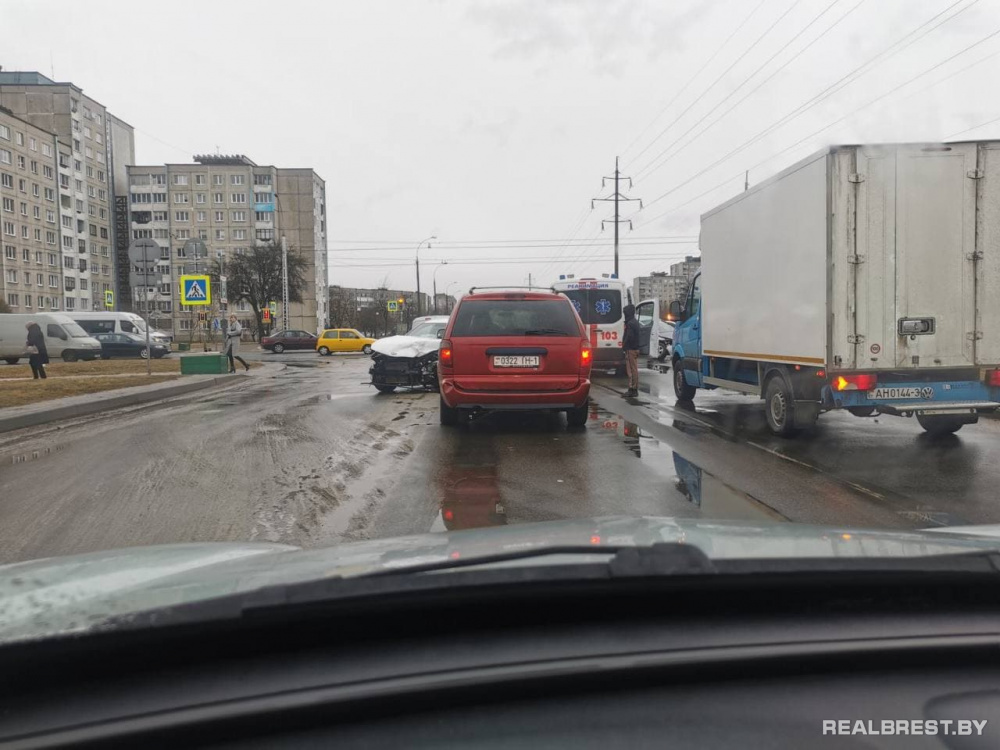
[545, 332]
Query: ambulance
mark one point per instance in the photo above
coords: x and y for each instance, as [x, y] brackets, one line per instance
[599, 302]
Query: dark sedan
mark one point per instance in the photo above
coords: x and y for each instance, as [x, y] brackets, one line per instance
[282, 340]
[128, 345]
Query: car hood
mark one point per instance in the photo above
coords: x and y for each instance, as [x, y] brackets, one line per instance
[56, 596]
[406, 346]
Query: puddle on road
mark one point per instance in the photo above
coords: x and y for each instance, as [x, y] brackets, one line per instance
[712, 496]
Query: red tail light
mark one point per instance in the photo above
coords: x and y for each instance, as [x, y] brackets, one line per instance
[859, 382]
[585, 355]
[993, 378]
[446, 353]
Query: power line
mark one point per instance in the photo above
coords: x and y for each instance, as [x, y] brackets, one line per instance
[722, 75]
[690, 81]
[974, 127]
[784, 65]
[507, 261]
[819, 97]
[830, 125]
[633, 242]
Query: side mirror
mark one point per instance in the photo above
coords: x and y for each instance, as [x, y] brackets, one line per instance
[440, 334]
[676, 311]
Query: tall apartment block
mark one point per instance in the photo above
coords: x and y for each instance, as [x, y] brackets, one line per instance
[31, 276]
[92, 148]
[231, 204]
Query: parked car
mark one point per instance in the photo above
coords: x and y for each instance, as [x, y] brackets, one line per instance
[117, 322]
[129, 345]
[343, 340]
[515, 350]
[409, 360]
[63, 337]
[282, 340]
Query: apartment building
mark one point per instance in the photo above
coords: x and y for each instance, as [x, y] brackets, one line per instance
[92, 149]
[687, 268]
[659, 285]
[31, 276]
[229, 203]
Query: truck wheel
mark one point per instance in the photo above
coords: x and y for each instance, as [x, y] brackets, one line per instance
[449, 416]
[940, 424]
[385, 388]
[682, 390]
[11, 360]
[577, 417]
[69, 356]
[779, 407]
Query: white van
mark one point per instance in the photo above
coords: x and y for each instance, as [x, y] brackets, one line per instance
[63, 337]
[116, 322]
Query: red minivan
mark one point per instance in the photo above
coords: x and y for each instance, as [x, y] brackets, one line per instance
[514, 350]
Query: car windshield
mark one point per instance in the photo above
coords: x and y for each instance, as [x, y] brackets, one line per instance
[427, 330]
[514, 317]
[428, 280]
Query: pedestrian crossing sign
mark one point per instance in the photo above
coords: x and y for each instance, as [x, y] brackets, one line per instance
[196, 290]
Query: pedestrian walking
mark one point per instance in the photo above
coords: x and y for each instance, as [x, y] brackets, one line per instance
[233, 333]
[38, 355]
[630, 345]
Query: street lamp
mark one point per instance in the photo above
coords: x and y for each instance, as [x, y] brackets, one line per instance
[447, 295]
[432, 237]
[435, 279]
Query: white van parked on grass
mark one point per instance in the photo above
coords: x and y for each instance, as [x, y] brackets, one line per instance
[117, 322]
[63, 337]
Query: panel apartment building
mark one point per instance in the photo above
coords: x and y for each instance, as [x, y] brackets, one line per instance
[230, 203]
[77, 182]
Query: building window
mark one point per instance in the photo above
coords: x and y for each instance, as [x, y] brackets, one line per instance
[12, 300]
[25, 254]
[46, 149]
[4, 156]
[84, 284]
[262, 179]
[219, 198]
[48, 171]
[24, 209]
[53, 259]
[7, 181]
[239, 215]
[53, 281]
[70, 303]
[8, 204]
[90, 172]
[104, 233]
[238, 179]
[265, 234]
[39, 261]
[159, 197]
[11, 276]
[219, 215]
[141, 198]
[238, 198]
[50, 216]
[199, 179]
[199, 198]
[160, 216]
[21, 162]
[219, 179]
[50, 238]
[182, 216]
[180, 179]
[220, 234]
[201, 216]
[182, 198]
[183, 234]
[50, 194]
[10, 252]
[9, 229]
[202, 234]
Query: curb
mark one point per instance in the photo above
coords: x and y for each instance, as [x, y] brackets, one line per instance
[94, 406]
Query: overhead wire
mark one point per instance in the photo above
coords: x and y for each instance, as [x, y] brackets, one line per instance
[650, 165]
[815, 100]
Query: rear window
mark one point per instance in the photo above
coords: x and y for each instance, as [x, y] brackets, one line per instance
[597, 305]
[516, 317]
[97, 326]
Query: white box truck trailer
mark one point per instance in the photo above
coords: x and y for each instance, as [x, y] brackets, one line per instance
[864, 278]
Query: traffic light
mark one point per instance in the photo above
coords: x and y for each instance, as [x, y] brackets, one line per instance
[401, 302]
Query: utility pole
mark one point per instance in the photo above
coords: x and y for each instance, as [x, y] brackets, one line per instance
[746, 181]
[284, 282]
[616, 198]
[432, 237]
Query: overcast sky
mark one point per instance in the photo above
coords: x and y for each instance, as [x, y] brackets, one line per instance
[495, 121]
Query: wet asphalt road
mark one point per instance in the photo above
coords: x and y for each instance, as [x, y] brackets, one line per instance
[312, 456]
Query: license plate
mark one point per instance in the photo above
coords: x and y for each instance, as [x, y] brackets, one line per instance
[515, 360]
[884, 394]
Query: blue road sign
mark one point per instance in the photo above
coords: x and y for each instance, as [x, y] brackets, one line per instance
[196, 290]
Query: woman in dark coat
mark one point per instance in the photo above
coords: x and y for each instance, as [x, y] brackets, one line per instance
[39, 356]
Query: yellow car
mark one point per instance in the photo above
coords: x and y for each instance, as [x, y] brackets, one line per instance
[343, 340]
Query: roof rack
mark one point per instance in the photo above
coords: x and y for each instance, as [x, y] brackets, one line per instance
[473, 290]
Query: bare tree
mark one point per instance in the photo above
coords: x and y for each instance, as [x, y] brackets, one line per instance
[255, 277]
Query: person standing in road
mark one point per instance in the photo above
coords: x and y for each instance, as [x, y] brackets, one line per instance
[38, 355]
[233, 334]
[630, 345]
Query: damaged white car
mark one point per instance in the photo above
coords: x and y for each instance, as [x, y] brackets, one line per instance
[409, 360]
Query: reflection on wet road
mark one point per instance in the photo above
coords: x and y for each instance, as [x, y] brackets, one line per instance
[312, 456]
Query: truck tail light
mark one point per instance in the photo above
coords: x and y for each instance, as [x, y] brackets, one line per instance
[860, 382]
[446, 354]
[585, 356]
[993, 378]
